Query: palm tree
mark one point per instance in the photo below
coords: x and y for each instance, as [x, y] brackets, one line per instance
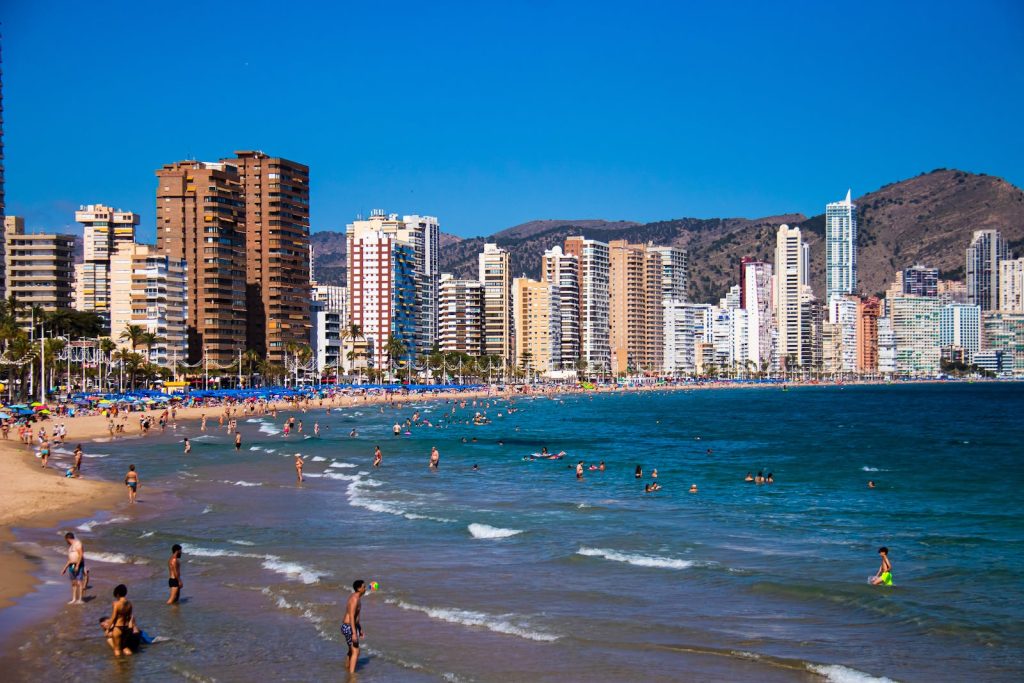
[396, 349]
[134, 363]
[249, 359]
[149, 340]
[134, 335]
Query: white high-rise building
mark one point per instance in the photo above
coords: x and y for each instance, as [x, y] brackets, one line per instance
[673, 271]
[987, 250]
[427, 238]
[886, 347]
[105, 229]
[563, 271]
[840, 248]
[685, 326]
[791, 291]
[496, 277]
[960, 326]
[915, 325]
[148, 288]
[1011, 285]
[757, 300]
[383, 286]
[460, 315]
[842, 313]
[594, 260]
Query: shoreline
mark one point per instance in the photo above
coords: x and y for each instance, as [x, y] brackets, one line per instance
[37, 498]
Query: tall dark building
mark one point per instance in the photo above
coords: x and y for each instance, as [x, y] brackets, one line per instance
[275, 193]
[921, 281]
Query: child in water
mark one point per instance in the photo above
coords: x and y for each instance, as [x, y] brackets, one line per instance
[883, 577]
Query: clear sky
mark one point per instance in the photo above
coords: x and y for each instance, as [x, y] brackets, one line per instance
[489, 113]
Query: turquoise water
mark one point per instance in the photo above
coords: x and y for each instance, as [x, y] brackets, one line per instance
[520, 572]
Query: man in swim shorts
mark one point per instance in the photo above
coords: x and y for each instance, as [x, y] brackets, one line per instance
[75, 568]
[131, 480]
[174, 581]
[883, 577]
[350, 625]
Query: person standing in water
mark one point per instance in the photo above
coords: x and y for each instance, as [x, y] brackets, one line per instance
[188, 446]
[238, 441]
[174, 581]
[579, 470]
[435, 458]
[351, 627]
[883, 577]
[131, 480]
[77, 467]
[378, 457]
[298, 467]
[75, 568]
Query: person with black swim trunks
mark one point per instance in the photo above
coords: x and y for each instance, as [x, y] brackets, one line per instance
[350, 625]
[174, 581]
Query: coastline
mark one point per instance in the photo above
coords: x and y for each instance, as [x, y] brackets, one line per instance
[37, 498]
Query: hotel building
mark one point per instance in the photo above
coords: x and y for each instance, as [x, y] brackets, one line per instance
[537, 325]
[496, 278]
[593, 258]
[987, 250]
[460, 315]
[840, 248]
[562, 271]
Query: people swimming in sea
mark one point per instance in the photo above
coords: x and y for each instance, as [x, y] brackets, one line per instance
[475, 467]
[238, 441]
[770, 479]
[579, 470]
[871, 484]
[759, 479]
[639, 474]
[654, 473]
[601, 466]
[883, 577]
[693, 488]
[651, 487]
[188, 445]
[749, 477]
[435, 458]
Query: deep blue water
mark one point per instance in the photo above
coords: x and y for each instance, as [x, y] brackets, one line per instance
[520, 572]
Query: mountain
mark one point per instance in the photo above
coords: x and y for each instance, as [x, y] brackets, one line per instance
[927, 219]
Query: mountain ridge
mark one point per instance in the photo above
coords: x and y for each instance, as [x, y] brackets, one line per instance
[926, 219]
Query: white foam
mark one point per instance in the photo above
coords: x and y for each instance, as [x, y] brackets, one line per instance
[269, 429]
[255, 448]
[89, 526]
[870, 469]
[507, 624]
[487, 531]
[114, 558]
[343, 465]
[199, 551]
[271, 450]
[238, 541]
[340, 476]
[147, 534]
[317, 458]
[638, 560]
[842, 674]
[207, 510]
[292, 570]
[242, 483]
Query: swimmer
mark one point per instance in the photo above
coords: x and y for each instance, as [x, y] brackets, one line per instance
[299, 462]
[883, 577]
[770, 479]
[579, 470]
[693, 488]
[353, 433]
[378, 457]
[131, 480]
[475, 467]
[316, 429]
[639, 474]
[749, 478]
[435, 458]
[601, 466]
[188, 445]
[238, 441]
[654, 473]
[871, 484]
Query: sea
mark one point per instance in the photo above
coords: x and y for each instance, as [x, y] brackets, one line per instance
[518, 571]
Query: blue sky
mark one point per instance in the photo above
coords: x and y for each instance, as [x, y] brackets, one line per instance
[488, 114]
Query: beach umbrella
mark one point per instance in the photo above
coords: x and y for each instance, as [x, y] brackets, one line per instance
[5, 416]
[36, 404]
[44, 411]
[18, 405]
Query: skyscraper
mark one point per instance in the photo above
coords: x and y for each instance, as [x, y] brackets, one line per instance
[537, 322]
[104, 229]
[382, 285]
[986, 251]
[594, 326]
[148, 289]
[868, 312]
[840, 248]
[199, 219]
[756, 299]
[275, 228]
[460, 314]
[1011, 285]
[563, 271]
[960, 327]
[634, 294]
[427, 238]
[496, 279]
[791, 281]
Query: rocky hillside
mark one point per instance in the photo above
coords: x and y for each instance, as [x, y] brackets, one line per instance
[927, 219]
